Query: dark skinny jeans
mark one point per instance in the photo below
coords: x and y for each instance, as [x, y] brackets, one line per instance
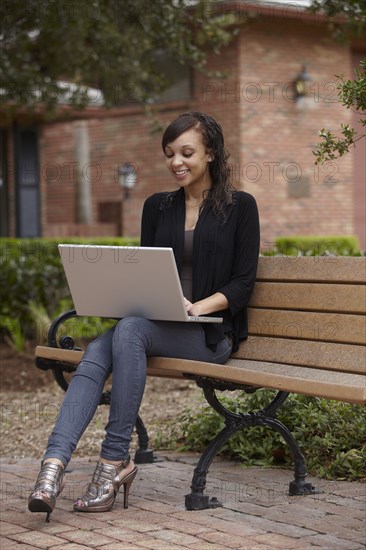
[123, 351]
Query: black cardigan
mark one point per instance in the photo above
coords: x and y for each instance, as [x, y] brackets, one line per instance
[225, 255]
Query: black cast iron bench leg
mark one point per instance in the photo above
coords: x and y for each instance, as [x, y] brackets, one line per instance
[234, 422]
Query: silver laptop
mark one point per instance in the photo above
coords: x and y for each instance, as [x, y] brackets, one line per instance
[118, 281]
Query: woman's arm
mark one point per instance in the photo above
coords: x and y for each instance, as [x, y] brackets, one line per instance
[215, 302]
[247, 244]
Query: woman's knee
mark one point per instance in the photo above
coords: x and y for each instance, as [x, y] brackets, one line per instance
[131, 328]
[100, 347]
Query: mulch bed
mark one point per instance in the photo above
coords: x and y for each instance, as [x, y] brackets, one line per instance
[18, 371]
[31, 400]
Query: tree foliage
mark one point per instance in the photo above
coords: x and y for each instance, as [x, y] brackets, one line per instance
[347, 20]
[352, 94]
[346, 17]
[110, 45]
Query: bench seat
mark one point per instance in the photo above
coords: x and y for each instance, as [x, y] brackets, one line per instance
[348, 387]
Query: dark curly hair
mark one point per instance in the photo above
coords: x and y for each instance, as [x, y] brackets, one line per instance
[220, 194]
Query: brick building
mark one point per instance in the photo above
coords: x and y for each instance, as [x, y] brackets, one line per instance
[269, 133]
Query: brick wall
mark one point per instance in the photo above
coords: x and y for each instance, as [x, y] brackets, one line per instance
[269, 137]
[217, 96]
[123, 136]
[114, 140]
[57, 175]
[278, 134]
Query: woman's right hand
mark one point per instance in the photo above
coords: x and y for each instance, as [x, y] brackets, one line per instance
[187, 303]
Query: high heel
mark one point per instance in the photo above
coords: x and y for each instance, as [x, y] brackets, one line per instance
[49, 484]
[104, 487]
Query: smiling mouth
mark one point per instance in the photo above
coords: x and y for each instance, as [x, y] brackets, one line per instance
[181, 172]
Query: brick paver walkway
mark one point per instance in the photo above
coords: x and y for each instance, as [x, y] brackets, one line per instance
[257, 514]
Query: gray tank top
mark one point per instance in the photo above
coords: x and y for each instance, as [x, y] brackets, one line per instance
[186, 273]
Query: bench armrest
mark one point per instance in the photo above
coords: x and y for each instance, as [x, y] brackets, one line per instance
[66, 342]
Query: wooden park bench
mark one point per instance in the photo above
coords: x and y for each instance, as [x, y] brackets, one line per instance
[307, 335]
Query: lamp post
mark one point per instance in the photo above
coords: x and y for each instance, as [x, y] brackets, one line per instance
[127, 178]
[302, 84]
[302, 93]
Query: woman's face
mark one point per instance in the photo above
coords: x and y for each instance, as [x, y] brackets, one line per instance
[187, 160]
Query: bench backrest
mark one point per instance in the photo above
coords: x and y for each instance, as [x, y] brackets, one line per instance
[309, 311]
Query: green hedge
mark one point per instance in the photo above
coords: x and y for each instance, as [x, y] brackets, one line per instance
[317, 246]
[32, 277]
[33, 283]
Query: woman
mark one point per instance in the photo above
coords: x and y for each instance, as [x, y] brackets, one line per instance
[214, 232]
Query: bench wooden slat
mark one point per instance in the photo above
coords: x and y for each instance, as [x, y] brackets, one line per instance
[324, 297]
[324, 355]
[342, 269]
[340, 386]
[327, 327]
[161, 373]
[57, 354]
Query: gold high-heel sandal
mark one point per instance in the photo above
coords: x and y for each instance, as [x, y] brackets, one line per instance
[49, 484]
[104, 486]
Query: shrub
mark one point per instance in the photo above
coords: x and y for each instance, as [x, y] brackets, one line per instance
[331, 434]
[317, 246]
[33, 281]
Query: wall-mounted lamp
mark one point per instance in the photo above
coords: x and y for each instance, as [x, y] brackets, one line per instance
[127, 178]
[302, 84]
